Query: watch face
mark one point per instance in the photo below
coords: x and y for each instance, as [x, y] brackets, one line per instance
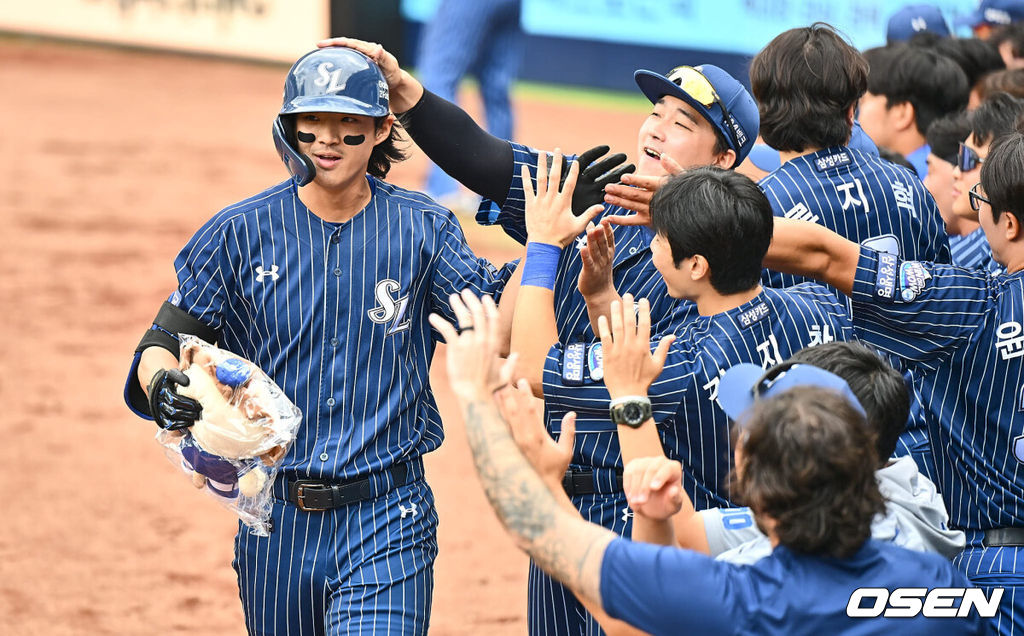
[632, 412]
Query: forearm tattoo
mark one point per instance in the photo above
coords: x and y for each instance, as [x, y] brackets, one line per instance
[565, 547]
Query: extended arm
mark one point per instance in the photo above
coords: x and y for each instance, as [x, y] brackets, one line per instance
[808, 249]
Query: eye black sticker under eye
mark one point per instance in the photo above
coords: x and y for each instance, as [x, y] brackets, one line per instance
[305, 137]
[354, 140]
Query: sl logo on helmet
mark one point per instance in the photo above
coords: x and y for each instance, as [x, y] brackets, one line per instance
[331, 79]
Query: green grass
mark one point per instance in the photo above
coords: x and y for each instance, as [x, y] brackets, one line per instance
[589, 97]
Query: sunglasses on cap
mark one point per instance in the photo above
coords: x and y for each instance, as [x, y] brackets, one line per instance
[977, 199]
[967, 159]
[699, 87]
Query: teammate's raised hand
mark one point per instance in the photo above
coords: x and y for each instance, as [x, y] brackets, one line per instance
[475, 369]
[525, 416]
[629, 364]
[598, 256]
[636, 191]
[404, 89]
[549, 216]
[654, 487]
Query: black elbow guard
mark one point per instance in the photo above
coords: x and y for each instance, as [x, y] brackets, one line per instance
[169, 322]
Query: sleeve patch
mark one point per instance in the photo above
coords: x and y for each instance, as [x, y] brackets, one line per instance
[913, 279]
[885, 276]
[595, 362]
[573, 358]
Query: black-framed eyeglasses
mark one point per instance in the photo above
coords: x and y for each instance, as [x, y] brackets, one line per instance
[699, 87]
[977, 199]
[967, 159]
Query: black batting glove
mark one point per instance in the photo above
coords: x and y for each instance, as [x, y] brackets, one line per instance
[595, 176]
[171, 410]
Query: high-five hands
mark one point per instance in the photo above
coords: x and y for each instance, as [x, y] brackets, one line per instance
[549, 216]
[654, 487]
[629, 365]
[525, 416]
[636, 191]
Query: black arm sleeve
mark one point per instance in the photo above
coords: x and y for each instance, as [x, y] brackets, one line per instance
[449, 136]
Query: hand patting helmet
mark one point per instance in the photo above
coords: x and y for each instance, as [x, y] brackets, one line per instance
[328, 80]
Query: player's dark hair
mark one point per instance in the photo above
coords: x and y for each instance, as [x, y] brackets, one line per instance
[894, 157]
[1012, 33]
[945, 134]
[995, 117]
[974, 57]
[386, 152]
[808, 463]
[932, 83]
[1002, 176]
[383, 155]
[879, 387]
[721, 215]
[806, 81]
[1009, 81]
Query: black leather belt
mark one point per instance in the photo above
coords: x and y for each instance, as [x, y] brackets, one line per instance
[1004, 537]
[313, 495]
[581, 482]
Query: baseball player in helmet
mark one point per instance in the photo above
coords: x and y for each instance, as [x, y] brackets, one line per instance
[325, 281]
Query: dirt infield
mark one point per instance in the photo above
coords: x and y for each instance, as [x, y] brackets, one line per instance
[111, 160]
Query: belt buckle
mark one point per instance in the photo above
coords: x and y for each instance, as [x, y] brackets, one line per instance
[300, 495]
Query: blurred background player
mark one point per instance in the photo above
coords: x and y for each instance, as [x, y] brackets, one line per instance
[994, 118]
[478, 37]
[976, 58]
[908, 88]
[991, 15]
[325, 282]
[913, 19]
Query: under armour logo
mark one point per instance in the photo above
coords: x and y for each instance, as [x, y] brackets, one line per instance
[919, 24]
[581, 241]
[410, 511]
[262, 273]
[626, 514]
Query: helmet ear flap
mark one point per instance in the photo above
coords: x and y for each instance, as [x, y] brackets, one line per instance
[299, 165]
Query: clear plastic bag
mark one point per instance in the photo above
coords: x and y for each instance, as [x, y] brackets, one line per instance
[246, 428]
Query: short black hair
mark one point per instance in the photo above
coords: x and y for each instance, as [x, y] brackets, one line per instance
[894, 157]
[975, 57]
[721, 215]
[995, 117]
[879, 388]
[383, 155]
[1008, 80]
[932, 83]
[1002, 176]
[806, 81]
[1012, 33]
[945, 135]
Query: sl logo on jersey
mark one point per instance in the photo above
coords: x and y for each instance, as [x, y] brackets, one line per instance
[390, 309]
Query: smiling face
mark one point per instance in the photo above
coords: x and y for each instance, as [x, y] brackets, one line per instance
[339, 145]
[676, 128]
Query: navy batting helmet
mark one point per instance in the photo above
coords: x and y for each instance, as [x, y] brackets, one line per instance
[328, 80]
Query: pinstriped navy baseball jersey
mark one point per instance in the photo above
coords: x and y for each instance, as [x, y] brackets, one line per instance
[964, 330]
[336, 314]
[861, 197]
[633, 271]
[973, 252]
[694, 429]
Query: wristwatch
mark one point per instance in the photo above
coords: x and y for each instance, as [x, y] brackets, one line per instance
[631, 411]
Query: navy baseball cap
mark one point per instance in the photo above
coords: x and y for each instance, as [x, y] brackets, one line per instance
[713, 93]
[995, 12]
[913, 19]
[744, 384]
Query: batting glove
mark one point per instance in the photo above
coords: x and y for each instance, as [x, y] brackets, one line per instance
[595, 176]
[170, 409]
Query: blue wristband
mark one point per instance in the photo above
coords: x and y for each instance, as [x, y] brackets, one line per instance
[541, 265]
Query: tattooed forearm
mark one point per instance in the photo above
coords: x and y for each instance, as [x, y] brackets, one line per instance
[564, 545]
